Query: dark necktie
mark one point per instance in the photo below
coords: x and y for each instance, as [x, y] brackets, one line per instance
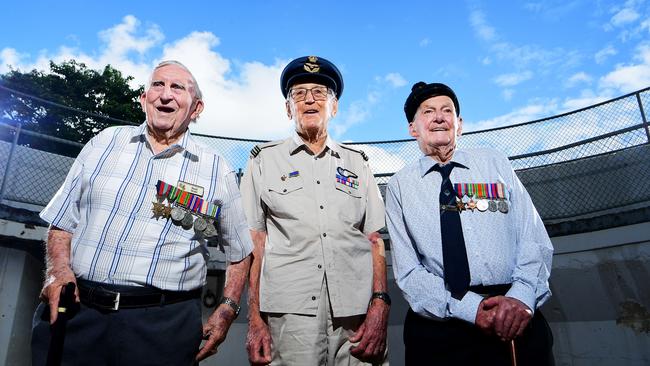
[454, 255]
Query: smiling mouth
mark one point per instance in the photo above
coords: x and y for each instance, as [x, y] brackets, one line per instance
[311, 111]
[165, 109]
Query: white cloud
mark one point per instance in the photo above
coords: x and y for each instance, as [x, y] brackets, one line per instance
[241, 103]
[631, 77]
[604, 53]
[531, 112]
[578, 78]
[623, 17]
[507, 94]
[482, 29]
[395, 80]
[425, 42]
[512, 79]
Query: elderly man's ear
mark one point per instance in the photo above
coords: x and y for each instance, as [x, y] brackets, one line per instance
[197, 110]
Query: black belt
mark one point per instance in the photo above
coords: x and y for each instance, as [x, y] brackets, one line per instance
[491, 290]
[114, 297]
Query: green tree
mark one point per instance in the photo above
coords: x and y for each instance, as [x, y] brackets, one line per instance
[105, 98]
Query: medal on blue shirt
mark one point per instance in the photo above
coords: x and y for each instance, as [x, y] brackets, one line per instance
[502, 205]
[481, 192]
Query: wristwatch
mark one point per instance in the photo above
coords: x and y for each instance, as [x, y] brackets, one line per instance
[381, 295]
[232, 303]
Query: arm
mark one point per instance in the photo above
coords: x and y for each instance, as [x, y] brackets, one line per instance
[423, 286]
[373, 330]
[58, 270]
[216, 328]
[532, 268]
[258, 340]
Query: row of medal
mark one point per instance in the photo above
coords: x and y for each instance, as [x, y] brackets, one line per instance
[186, 209]
[489, 197]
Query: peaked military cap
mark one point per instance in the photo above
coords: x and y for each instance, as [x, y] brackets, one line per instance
[311, 69]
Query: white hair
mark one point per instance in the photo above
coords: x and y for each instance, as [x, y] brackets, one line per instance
[197, 91]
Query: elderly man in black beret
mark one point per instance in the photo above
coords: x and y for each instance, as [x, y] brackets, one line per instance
[470, 253]
[318, 277]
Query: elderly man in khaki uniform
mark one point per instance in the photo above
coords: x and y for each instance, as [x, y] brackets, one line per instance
[318, 278]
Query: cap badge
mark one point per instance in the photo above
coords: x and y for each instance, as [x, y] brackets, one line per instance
[311, 65]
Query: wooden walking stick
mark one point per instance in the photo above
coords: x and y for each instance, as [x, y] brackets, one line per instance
[513, 353]
[57, 336]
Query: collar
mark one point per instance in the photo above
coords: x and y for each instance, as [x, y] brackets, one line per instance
[296, 144]
[426, 163]
[186, 142]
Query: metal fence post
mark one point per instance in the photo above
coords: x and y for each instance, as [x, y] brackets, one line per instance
[5, 177]
[643, 117]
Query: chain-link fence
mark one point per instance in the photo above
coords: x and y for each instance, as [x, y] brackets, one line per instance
[572, 164]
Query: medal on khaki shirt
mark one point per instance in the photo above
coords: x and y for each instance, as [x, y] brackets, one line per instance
[347, 178]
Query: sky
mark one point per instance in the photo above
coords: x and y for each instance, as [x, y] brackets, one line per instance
[508, 61]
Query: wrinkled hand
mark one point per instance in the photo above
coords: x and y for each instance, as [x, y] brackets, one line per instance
[511, 316]
[371, 334]
[485, 318]
[258, 342]
[215, 330]
[55, 279]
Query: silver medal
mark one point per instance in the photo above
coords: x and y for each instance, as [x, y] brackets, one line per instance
[187, 221]
[210, 230]
[492, 206]
[177, 214]
[503, 206]
[200, 224]
[482, 205]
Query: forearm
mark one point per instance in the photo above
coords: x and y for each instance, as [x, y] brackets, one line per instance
[57, 254]
[378, 252]
[259, 239]
[236, 275]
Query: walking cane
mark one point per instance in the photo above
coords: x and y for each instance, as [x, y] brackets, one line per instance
[513, 353]
[66, 300]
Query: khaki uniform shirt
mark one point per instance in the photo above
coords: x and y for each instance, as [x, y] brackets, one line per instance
[316, 226]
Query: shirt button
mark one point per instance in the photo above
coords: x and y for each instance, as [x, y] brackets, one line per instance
[321, 207]
[319, 266]
[324, 234]
[317, 182]
[313, 297]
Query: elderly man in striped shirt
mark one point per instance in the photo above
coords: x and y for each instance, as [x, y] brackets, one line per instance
[130, 228]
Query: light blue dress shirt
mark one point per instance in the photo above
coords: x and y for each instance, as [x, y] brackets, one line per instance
[106, 202]
[502, 248]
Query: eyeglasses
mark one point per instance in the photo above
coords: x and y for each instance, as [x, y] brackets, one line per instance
[317, 92]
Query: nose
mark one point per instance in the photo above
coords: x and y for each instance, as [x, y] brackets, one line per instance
[309, 97]
[166, 93]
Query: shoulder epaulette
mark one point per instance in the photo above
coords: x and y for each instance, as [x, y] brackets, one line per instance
[258, 148]
[363, 154]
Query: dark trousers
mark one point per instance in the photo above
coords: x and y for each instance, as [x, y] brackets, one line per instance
[456, 342]
[157, 335]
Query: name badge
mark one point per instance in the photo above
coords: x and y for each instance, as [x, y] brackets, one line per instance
[191, 188]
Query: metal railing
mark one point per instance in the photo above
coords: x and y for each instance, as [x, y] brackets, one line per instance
[572, 164]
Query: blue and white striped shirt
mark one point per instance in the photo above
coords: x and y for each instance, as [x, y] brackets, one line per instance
[501, 248]
[106, 202]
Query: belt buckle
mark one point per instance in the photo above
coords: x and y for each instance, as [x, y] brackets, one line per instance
[116, 302]
[96, 293]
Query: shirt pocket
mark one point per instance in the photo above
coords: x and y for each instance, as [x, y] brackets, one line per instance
[350, 204]
[286, 199]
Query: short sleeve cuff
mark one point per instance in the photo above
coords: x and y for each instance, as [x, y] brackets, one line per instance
[522, 293]
[467, 307]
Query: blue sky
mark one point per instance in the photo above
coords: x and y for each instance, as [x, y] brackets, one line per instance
[509, 62]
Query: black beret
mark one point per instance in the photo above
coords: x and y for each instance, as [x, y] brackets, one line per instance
[422, 91]
[311, 69]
